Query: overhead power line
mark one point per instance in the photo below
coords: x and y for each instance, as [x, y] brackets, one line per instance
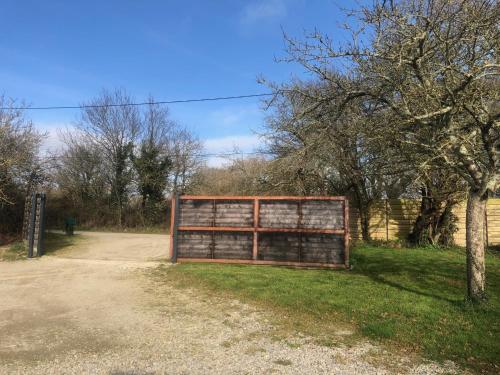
[202, 155]
[228, 154]
[57, 107]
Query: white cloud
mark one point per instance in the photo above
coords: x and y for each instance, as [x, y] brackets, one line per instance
[243, 143]
[216, 162]
[263, 10]
[229, 144]
[231, 116]
[52, 143]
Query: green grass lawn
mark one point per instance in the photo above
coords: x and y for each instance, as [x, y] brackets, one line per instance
[413, 300]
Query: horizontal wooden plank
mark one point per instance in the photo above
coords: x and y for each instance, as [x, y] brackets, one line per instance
[281, 245]
[275, 255]
[279, 224]
[193, 236]
[328, 215]
[239, 220]
[248, 229]
[236, 256]
[215, 229]
[207, 254]
[323, 226]
[302, 230]
[196, 205]
[194, 218]
[196, 223]
[245, 224]
[262, 262]
[196, 214]
[279, 208]
[234, 204]
[234, 214]
[253, 197]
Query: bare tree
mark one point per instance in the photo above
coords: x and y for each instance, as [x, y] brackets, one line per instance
[126, 158]
[241, 176]
[19, 147]
[434, 65]
[320, 150]
[113, 126]
[184, 150]
[78, 175]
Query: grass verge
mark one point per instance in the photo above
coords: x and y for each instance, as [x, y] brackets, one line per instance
[413, 300]
[53, 242]
[12, 252]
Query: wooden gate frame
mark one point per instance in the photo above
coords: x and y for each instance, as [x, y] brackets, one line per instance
[175, 228]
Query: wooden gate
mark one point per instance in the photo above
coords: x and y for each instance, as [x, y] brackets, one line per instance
[292, 231]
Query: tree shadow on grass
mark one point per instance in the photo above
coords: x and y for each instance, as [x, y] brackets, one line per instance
[427, 276]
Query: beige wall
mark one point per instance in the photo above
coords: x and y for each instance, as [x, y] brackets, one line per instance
[392, 219]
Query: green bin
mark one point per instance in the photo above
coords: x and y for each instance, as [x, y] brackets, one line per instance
[69, 226]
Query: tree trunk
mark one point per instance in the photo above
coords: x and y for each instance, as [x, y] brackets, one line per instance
[476, 206]
[435, 224]
[119, 213]
[363, 205]
[421, 231]
[364, 216]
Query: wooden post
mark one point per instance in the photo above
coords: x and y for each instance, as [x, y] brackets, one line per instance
[486, 225]
[172, 211]
[174, 224]
[255, 250]
[212, 241]
[27, 216]
[41, 226]
[386, 220]
[31, 227]
[299, 226]
[346, 232]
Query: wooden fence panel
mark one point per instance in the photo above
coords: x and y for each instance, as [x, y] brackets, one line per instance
[393, 219]
[493, 222]
[322, 214]
[296, 231]
[401, 215]
[459, 236]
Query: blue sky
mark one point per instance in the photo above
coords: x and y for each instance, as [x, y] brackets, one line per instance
[65, 52]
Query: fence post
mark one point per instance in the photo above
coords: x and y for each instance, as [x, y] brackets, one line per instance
[212, 241]
[386, 220]
[346, 232]
[31, 226]
[255, 250]
[486, 225]
[41, 226]
[174, 223]
[27, 216]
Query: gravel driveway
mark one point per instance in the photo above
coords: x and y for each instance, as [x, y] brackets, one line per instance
[94, 309]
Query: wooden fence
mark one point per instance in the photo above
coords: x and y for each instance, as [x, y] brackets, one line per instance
[393, 219]
[293, 231]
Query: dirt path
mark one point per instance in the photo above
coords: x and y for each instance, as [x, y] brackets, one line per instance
[94, 309]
